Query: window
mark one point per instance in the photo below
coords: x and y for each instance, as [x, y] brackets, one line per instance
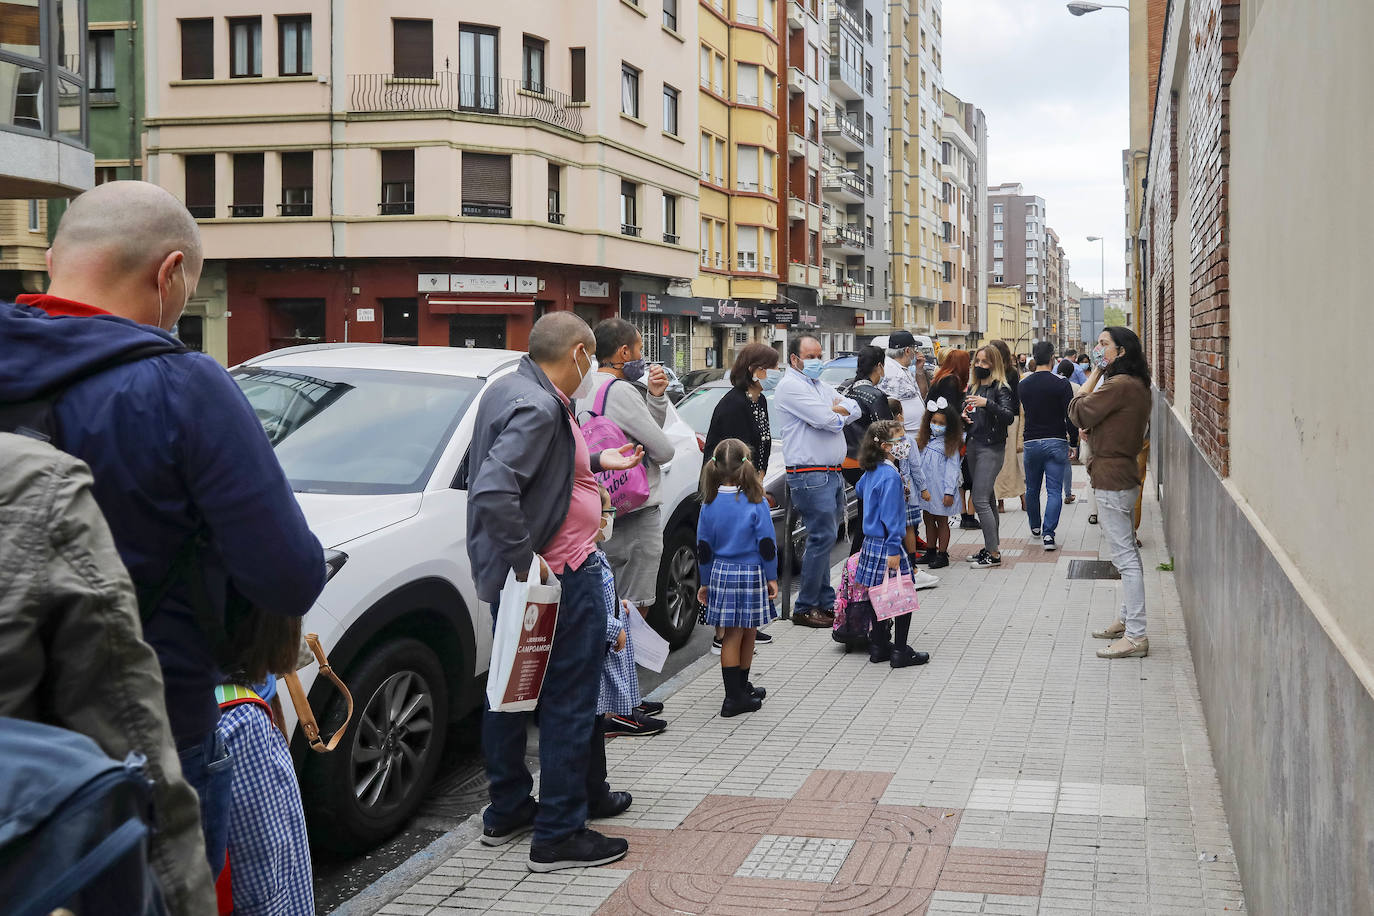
[768, 239]
[400, 322]
[670, 14]
[720, 75]
[297, 184]
[245, 47]
[705, 157]
[477, 83]
[670, 110]
[705, 243]
[747, 248]
[105, 174]
[868, 231]
[868, 179]
[998, 278]
[948, 271]
[486, 185]
[997, 211]
[868, 128]
[291, 322]
[555, 194]
[868, 28]
[577, 57]
[997, 249]
[197, 49]
[629, 90]
[721, 178]
[670, 219]
[35, 224]
[945, 150]
[293, 45]
[706, 56]
[1030, 244]
[200, 186]
[532, 66]
[868, 79]
[398, 181]
[629, 208]
[747, 11]
[100, 50]
[770, 164]
[412, 48]
[747, 171]
[247, 185]
[868, 281]
[946, 310]
[719, 258]
[997, 267]
[747, 84]
[814, 246]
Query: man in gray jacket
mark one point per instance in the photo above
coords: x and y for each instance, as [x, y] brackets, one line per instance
[532, 496]
[73, 649]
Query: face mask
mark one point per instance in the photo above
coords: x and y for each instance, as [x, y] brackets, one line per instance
[634, 370]
[811, 368]
[900, 448]
[1099, 357]
[981, 372]
[936, 429]
[607, 525]
[588, 380]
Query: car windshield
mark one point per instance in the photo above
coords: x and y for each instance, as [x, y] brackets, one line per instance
[696, 409]
[834, 376]
[356, 431]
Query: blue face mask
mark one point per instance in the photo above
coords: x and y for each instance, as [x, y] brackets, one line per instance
[811, 368]
[936, 429]
[634, 370]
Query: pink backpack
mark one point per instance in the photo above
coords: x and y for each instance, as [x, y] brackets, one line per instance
[629, 489]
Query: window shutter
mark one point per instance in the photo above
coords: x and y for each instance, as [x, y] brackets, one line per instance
[398, 165]
[200, 181]
[413, 47]
[297, 170]
[247, 178]
[486, 179]
[197, 49]
[579, 74]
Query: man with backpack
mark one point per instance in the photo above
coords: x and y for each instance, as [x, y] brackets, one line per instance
[74, 659]
[635, 547]
[201, 513]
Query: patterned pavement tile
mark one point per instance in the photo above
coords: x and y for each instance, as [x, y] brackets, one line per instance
[795, 858]
[844, 786]
[903, 824]
[859, 898]
[993, 871]
[733, 814]
[892, 865]
[842, 820]
[750, 896]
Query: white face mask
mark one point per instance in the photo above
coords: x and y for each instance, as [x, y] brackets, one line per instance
[588, 379]
[185, 302]
[607, 525]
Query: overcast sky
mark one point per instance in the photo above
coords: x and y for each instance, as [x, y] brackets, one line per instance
[1054, 88]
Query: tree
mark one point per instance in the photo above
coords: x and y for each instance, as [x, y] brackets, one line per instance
[1113, 317]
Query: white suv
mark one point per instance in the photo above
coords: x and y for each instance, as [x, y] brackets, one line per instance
[374, 439]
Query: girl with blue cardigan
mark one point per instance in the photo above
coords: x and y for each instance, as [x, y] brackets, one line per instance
[738, 558]
[883, 493]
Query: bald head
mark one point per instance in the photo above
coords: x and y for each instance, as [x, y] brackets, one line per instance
[130, 248]
[553, 337]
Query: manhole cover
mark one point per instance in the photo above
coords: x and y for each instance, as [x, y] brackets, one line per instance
[1092, 569]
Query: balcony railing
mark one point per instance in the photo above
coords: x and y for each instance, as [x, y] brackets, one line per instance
[491, 211]
[555, 217]
[245, 210]
[670, 238]
[201, 211]
[850, 236]
[627, 229]
[845, 127]
[836, 180]
[296, 209]
[396, 207]
[841, 12]
[449, 91]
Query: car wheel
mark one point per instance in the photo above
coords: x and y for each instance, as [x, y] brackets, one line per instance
[798, 530]
[674, 615]
[372, 783]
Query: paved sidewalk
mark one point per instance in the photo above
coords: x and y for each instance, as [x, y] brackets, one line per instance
[1016, 773]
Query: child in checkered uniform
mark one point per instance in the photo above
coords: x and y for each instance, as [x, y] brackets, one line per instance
[738, 558]
[883, 448]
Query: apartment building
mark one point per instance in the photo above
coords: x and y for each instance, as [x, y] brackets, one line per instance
[421, 173]
[917, 116]
[1018, 250]
[1009, 316]
[1054, 289]
[963, 229]
[44, 132]
[853, 186]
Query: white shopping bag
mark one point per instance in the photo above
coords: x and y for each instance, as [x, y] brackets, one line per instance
[651, 650]
[520, 647]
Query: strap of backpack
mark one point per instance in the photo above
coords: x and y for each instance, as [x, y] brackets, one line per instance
[304, 714]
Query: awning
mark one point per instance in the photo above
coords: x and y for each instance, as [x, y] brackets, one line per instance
[440, 304]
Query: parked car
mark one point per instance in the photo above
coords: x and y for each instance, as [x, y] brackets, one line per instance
[839, 370]
[675, 390]
[694, 379]
[374, 439]
[696, 409]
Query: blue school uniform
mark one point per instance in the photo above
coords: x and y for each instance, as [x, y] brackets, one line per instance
[912, 477]
[940, 475]
[884, 523]
[738, 557]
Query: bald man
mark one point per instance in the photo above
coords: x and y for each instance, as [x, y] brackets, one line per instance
[532, 496]
[178, 457]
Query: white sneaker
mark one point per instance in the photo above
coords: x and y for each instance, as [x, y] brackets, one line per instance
[925, 580]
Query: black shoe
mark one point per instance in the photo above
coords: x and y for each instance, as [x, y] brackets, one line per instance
[633, 726]
[757, 693]
[500, 836]
[715, 645]
[987, 561]
[977, 558]
[761, 638]
[1092, 519]
[614, 803]
[879, 652]
[649, 708]
[970, 523]
[925, 559]
[734, 706]
[1035, 532]
[1049, 542]
[941, 560]
[905, 657]
[582, 849]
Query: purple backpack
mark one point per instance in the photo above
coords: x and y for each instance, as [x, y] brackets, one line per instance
[629, 489]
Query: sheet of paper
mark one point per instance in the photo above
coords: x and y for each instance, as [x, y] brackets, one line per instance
[651, 650]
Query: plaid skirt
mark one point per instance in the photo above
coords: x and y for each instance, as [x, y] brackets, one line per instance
[872, 565]
[913, 516]
[737, 596]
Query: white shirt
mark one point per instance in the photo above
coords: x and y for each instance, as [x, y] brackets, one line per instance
[898, 383]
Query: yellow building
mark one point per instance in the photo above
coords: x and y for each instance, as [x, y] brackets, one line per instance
[738, 111]
[1009, 317]
[23, 240]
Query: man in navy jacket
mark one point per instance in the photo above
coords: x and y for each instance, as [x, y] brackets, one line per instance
[173, 445]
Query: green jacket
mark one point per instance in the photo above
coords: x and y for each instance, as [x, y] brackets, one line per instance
[73, 650]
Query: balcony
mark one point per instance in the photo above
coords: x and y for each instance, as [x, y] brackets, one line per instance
[632, 231]
[838, 12]
[796, 16]
[845, 240]
[454, 92]
[396, 207]
[796, 145]
[556, 218]
[487, 211]
[843, 185]
[843, 133]
[845, 80]
[796, 208]
[796, 274]
[249, 211]
[296, 209]
[201, 211]
[830, 292]
[796, 80]
[852, 291]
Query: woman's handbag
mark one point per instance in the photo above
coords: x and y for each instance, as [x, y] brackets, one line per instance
[894, 596]
[304, 714]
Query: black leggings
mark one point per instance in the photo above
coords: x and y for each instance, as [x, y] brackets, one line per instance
[902, 629]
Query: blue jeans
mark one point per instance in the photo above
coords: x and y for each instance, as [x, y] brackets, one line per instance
[567, 715]
[819, 498]
[1048, 459]
[209, 769]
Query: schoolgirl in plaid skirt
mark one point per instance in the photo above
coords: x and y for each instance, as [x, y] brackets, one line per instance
[738, 558]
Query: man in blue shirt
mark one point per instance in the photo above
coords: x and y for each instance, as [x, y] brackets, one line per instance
[811, 420]
[1080, 374]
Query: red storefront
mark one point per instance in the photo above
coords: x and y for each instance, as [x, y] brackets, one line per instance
[420, 302]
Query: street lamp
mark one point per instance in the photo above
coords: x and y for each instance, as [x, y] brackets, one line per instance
[1098, 238]
[1082, 8]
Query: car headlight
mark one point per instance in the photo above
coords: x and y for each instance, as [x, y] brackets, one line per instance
[333, 562]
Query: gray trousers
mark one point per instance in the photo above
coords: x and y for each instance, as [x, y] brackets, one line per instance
[1116, 515]
[985, 463]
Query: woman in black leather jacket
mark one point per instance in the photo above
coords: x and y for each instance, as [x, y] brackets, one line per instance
[989, 411]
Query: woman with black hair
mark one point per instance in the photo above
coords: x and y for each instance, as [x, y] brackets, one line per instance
[1116, 412]
[873, 406]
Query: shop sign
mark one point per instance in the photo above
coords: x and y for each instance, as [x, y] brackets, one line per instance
[367, 315]
[654, 304]
[784, 314]
[529, 285]
[728, 311]
[433, 283]
[490, 283]
[593, 289]
[808, 318]
[763, 312]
